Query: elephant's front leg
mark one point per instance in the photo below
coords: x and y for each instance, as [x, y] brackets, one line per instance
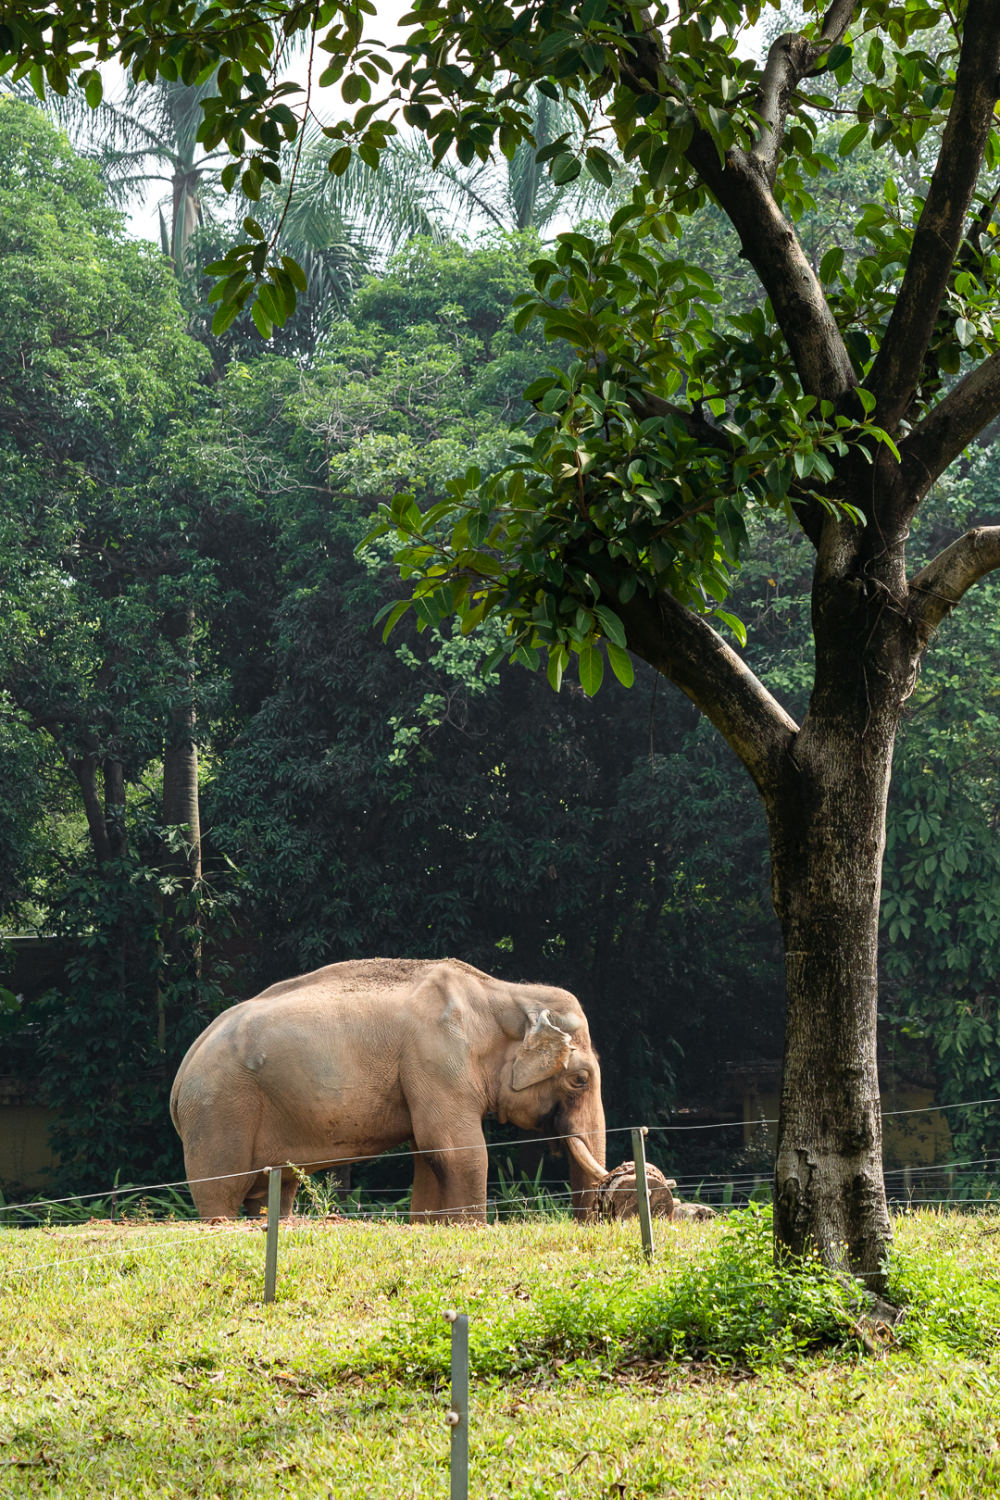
[459, 1164]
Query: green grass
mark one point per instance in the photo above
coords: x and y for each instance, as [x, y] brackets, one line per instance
[140, 1361]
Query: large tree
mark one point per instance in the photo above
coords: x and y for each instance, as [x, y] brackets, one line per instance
[832, 399]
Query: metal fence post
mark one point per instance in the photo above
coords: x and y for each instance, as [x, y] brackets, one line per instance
[458, 1416]
[642, 1189]
[273, 1214]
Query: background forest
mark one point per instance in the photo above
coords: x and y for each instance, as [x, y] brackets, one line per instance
[214, 773]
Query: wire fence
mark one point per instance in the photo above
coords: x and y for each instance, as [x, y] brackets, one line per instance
[957, 1180]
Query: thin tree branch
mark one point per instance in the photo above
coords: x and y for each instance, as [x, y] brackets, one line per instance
[683, 647]
[702, 431]
[936, 589]
[85, 770]
[938, 237]
[949, 427]
[791, 58]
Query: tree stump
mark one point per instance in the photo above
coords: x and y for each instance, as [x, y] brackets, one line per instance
[616, 1196]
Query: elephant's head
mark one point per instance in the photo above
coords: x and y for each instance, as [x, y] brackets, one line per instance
[551, 1082]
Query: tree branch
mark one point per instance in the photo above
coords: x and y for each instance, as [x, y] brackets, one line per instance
[808, 511]
[770, 244]
[84, 768]
[899, 362]
[743, 189]
[949, 427]
[702, 431]
[791, 58]
[684, 647]
[936, 589]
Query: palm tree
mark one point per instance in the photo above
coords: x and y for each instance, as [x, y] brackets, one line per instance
[149, 135]
[519, 194]
[408, 195]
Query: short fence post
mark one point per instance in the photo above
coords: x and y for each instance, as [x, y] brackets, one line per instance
[642, 1190]
[273, 1215]
[458, 1415]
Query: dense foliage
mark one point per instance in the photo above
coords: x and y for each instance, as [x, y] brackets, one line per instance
[359, 798]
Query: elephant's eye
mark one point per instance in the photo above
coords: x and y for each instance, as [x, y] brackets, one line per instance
[580, 1080]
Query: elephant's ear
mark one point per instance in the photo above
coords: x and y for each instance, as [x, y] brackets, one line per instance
[545, 1051]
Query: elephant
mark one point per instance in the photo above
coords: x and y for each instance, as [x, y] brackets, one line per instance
[358, 1057]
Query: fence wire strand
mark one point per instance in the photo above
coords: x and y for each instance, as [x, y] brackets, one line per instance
[128, 1192]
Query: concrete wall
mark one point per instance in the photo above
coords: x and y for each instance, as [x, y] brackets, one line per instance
[24, 1129]
[907, 1140]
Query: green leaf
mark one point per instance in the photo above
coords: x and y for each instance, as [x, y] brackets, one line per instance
[736, 625]
[226, 314]
[554, 671]
[591, 670]
[831, 263]
[93, 87]
[965, 331]
[610, 624]
[261, 319]
[355, 87]
[479, 526]
[851, 138]
[295, 272]
[621, 664]
[599, 169]
[397, 611]
[565, 169]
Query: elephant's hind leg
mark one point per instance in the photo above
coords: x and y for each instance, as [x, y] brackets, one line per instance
[217, 1190]
[425, 1204]
[255, 1202]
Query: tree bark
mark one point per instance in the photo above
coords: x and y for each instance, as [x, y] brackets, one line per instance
[180, 753]
[84, 768]
[114, 808]
[827, 840]
[179, 953]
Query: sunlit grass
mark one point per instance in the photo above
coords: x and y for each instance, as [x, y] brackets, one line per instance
[143, 1362]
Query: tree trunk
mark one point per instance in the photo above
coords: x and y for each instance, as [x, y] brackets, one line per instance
[84, 768]
[826, 851]
[180, 943]
[824, 788]
[827, 825]
[180, 790]
[114, 808]
[180, 754]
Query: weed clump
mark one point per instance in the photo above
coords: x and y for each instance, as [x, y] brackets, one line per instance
[732, 1307]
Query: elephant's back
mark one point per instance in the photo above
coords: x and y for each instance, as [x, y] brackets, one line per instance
[333, 1020]
[375, 976]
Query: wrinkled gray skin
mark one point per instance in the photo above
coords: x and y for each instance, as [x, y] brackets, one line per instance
[359, 1057]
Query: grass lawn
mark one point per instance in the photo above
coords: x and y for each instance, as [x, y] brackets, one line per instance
[141, 1361]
